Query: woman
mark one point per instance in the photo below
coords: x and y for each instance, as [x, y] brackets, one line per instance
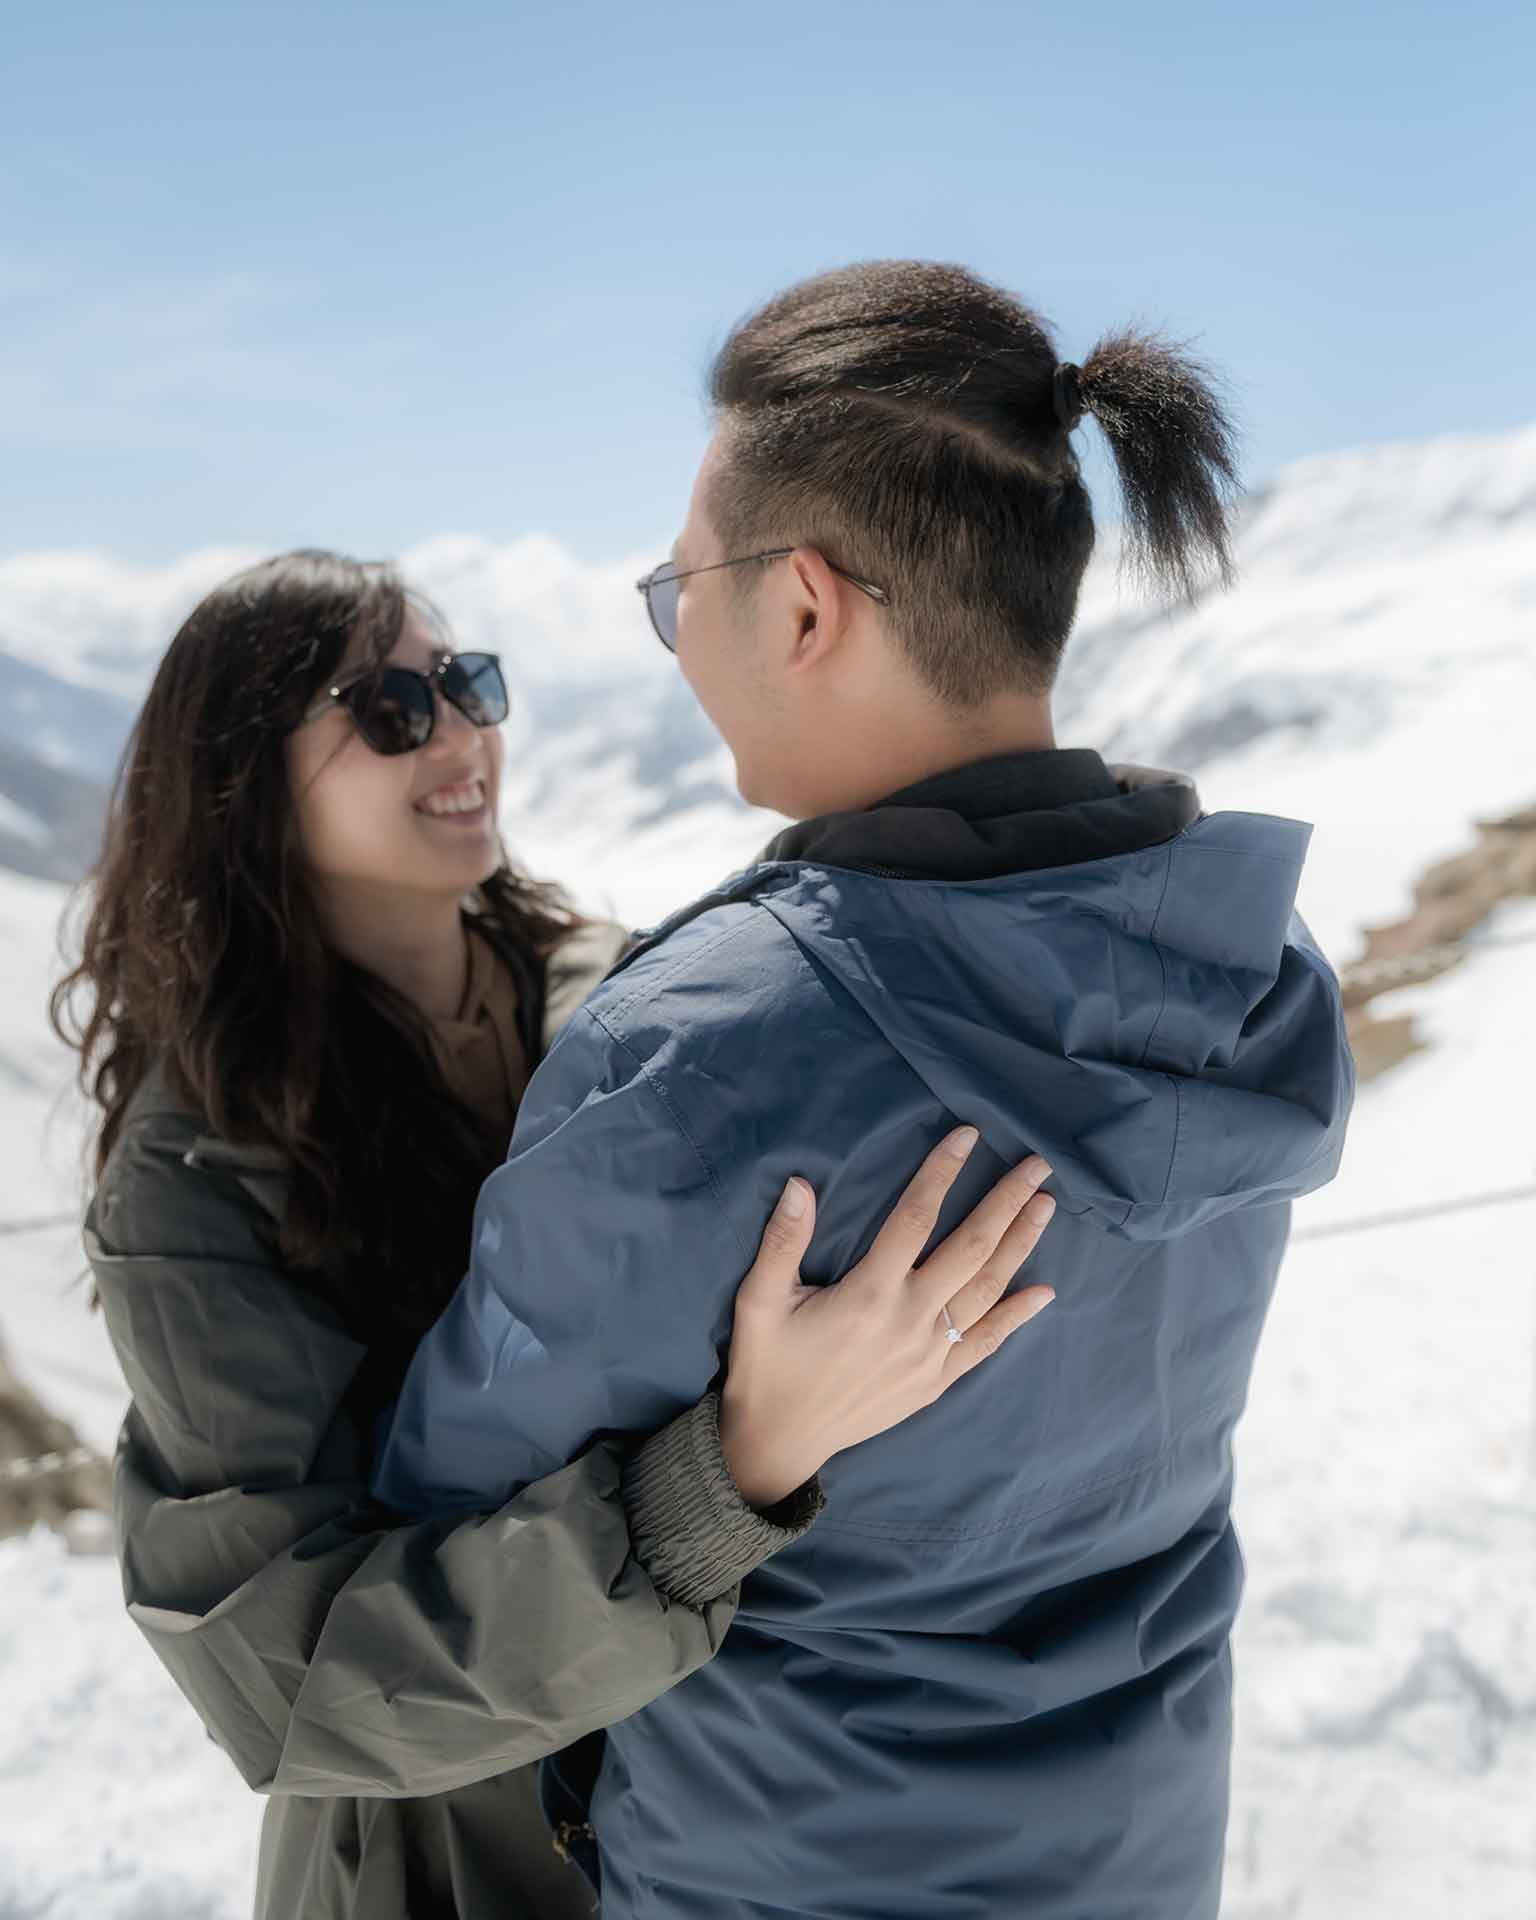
[314, 990]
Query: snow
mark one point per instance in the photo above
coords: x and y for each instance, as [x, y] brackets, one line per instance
[1374, 671]
[1386, 1502]
[1386, 1488]
[1386, 1466]
[117, 1805]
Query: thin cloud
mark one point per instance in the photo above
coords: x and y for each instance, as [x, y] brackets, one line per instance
[88, 616]
[167, 364]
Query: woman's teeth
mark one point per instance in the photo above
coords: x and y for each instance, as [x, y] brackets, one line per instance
[468, 797]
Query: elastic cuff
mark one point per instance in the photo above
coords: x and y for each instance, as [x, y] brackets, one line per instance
[692, 1531]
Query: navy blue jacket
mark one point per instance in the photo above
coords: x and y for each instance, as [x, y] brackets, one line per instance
[993, 1678]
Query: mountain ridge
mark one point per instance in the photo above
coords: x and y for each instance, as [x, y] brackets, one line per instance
[1373, 585]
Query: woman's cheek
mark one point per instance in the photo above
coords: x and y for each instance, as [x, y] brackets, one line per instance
[351, 826]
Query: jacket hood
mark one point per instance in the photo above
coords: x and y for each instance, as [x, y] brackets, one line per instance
[1156, 1020]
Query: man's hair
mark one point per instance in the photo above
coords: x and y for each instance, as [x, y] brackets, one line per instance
[912, 422]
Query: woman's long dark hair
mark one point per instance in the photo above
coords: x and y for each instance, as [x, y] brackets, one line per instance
[201, 953]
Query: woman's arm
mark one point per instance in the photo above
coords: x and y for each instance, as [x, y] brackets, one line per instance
[331, 1646]
[328, 1648]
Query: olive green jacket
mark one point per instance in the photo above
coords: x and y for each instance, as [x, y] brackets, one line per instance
[388, 1684]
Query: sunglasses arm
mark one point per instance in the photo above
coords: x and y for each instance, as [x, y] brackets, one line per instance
[322, 705]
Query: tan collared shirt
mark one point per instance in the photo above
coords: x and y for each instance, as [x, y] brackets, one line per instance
[479, 1049]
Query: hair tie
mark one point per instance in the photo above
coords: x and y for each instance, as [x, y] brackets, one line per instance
[1067, 393]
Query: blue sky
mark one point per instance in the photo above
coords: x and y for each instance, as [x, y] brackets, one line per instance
[321, 273]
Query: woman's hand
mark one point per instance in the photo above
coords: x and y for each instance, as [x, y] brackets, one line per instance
[815, 1369]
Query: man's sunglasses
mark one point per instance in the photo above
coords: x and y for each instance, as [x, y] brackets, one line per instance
[393, 707]
[660, 587]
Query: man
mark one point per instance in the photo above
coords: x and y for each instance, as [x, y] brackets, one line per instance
[993, 1678]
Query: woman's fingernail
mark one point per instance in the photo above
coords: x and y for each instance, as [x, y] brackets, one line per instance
[1046, 1169]
[961, 1143]
[1041, 1207]
[793, 1201]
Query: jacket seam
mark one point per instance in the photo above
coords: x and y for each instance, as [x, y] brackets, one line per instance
[1246, 853]
[1162, 1008]
[668, 1106]
[654, 985]
[1162, 964]
[1173, 1151]
[838, 991]
[1021, 1516]
[95, 1250]
[246, 1211]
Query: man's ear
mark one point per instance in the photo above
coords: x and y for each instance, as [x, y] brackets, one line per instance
[821, 610]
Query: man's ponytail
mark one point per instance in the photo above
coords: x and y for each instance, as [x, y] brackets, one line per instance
[1175, 453]
[915, 423]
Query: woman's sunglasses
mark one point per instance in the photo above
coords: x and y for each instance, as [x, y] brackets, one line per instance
[393, 708]
[661, 588]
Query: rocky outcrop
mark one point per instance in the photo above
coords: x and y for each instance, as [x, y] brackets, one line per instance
[1451, 900]
[30, 1433]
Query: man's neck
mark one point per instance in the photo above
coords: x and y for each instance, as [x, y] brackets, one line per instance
[901, 756]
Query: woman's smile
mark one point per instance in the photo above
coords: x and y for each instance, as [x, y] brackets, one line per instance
[462, 801]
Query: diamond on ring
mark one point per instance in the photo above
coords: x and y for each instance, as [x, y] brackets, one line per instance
[952, 1332]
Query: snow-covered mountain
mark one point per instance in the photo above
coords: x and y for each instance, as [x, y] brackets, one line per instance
[1375, 673]
[1385, 596]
